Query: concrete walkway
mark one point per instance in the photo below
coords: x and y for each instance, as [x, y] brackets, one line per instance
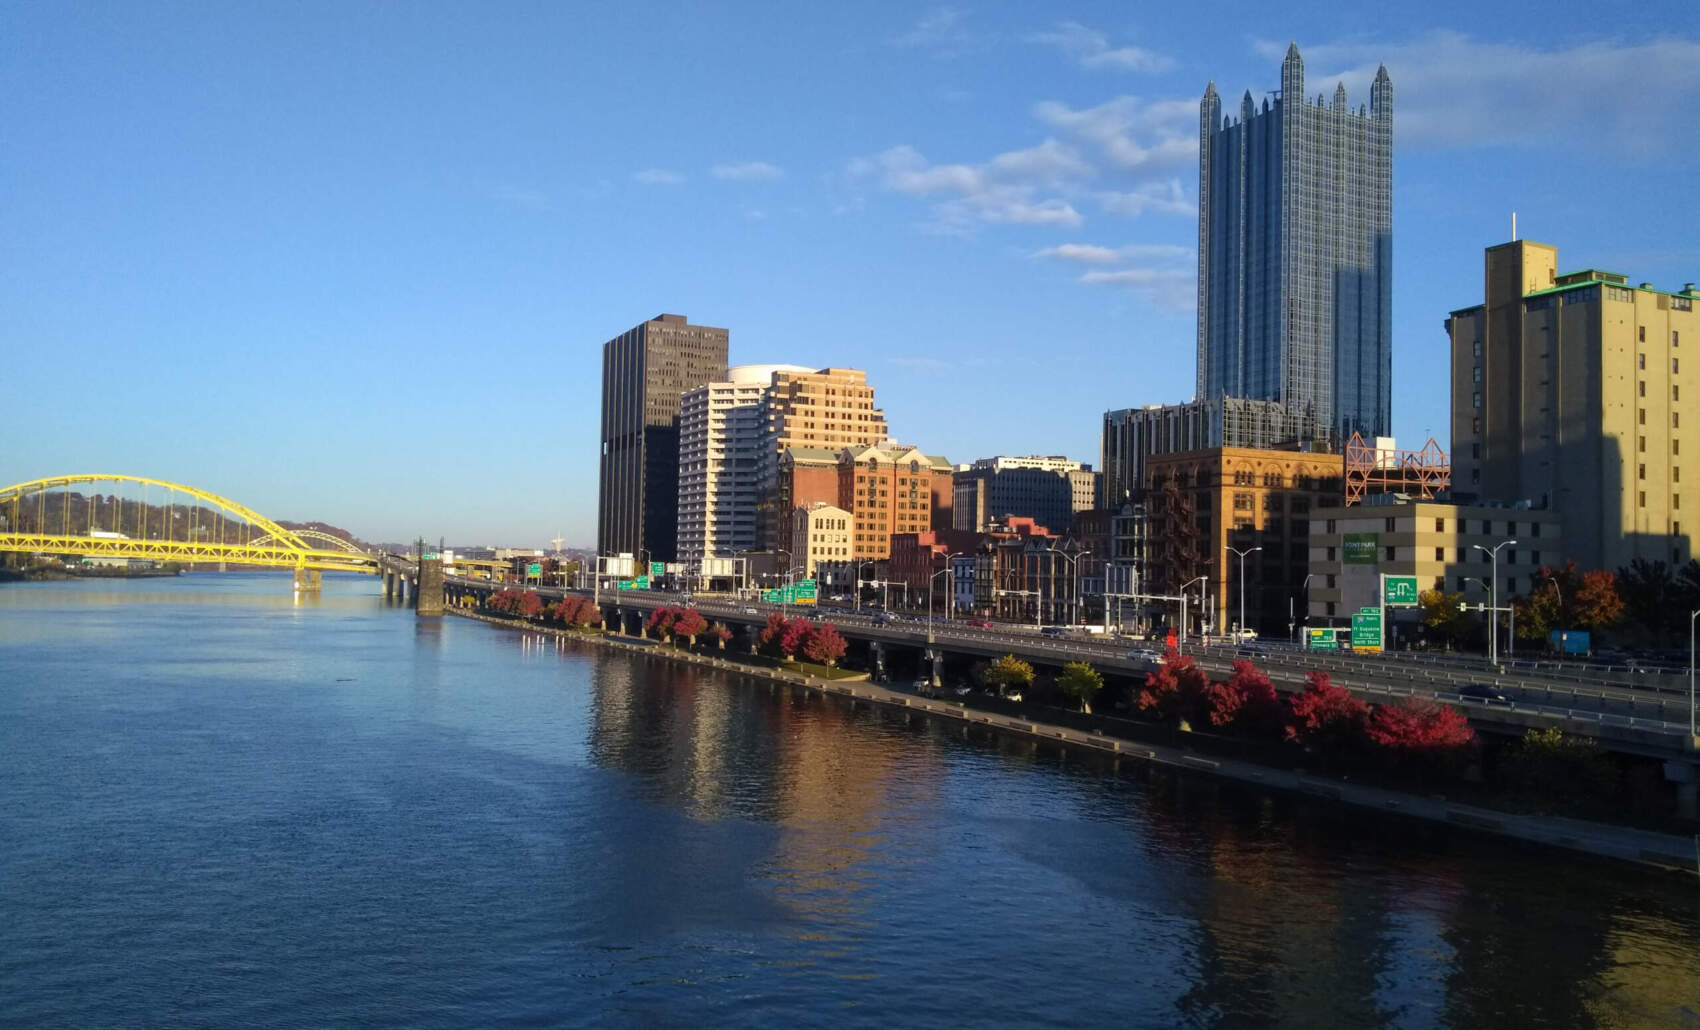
[1664, 851]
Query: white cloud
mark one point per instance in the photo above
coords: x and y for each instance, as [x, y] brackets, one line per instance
[941, 30]
[1129, 132]
[1005, 190]
[1093, 254]
[1162, 196]
[1092, 49]
[1173, 289]
[658, 177]
[747, 170]
[1452, 91]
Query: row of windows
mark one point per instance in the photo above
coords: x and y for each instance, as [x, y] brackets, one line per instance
[1675, 418]
[1675, 363]
[1641, 336]
[1641, 390]
[1641, 500]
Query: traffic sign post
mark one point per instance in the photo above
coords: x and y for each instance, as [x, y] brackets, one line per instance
[1399, 591]
[1322, 639]
[1367, 629]
[657, 569]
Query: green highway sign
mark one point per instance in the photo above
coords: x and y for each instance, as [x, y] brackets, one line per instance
[657, 568]
[640, 583]
[534, 569]
[1399, 590]
[1321, 640]
[1359, 548]
[433, 556]
[1366, 630]
[804, 590]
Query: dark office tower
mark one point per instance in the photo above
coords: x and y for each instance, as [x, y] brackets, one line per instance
[1295, 253]
[644, 372]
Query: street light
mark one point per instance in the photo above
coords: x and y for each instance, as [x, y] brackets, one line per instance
[1242, 555]
[858, 577]
[1180, 639]
[1292, 623]
[1074, 564]
[1691, 617]
[1493, 600]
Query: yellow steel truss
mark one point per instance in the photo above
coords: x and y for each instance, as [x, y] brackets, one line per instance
[277, 546]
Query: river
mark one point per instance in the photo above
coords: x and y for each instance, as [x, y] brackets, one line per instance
[227, 805]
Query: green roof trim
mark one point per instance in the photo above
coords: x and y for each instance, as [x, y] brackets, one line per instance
[1624, 284]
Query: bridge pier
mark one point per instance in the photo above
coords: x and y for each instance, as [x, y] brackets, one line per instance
[308, 580]
[1686, 776]
[389, 584]
[876, 661]
[430, 591]
[935, 657]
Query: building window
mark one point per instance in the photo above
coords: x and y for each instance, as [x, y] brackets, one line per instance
[1641, 416]
[1476, 374]
[1331, 554]
[1640, 443]
[1388, 525]
[1476, 348]
[1440, 554]
[1440, 525]
[1534, 557]
[1673, 366]
[1476, 425]
[1641, 388]
[1463, 583]
[1640, 334]
[1476, 451]
[1331, 609]
[1330, 525]
[1534, 529]
[1641, 472]
[1641, 499]
[1476, 400]
[1511, 558]
[1640, 361]
[1389, 554]
[1511, 585]
[1487, 527]
[1331, 581]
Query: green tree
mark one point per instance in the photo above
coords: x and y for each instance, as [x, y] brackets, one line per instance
[1081, 682]
[1548, 764]
[1442, 616]
[1007, 672]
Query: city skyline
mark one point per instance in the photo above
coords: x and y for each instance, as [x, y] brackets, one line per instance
[339, 280]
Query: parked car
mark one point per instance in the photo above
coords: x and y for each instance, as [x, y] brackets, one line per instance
[1014, 695]
[1482, 692]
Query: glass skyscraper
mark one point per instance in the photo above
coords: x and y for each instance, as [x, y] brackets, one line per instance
[1295, 252]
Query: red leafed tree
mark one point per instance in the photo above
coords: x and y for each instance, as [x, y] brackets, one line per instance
[567, 607]
[722, 634]
[1246, 702]
[1177, 689]
[796, 634]
[772, 634]
[688, 624]
[1420, 726]
[825, 645]
[1326, 717]
[504, 600]
[661, 621]
[530, 605]
[588, 615]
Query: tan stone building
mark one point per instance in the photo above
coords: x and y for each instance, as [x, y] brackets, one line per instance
[891, 489]
[820, 533]
[823, 410]
[1202, 502]
[1567, 393]
[1352, 548]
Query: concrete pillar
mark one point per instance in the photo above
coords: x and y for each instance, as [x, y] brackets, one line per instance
[430, 591]
[1686, 776]
[308, 580]
[936, 655]
[876, 661]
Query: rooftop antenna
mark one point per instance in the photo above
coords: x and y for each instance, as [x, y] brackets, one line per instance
[1513, 227]
[558, 541]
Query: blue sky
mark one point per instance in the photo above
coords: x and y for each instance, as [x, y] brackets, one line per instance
[355, 262]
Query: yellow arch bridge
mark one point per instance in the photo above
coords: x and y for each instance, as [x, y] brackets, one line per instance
[113, 517]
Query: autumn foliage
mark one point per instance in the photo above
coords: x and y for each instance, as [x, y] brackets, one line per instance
[786, 638]
[1419, 728]
[1326, 717]
[1247, 701]
[576, 611]
[1177, 689]
[522, 603]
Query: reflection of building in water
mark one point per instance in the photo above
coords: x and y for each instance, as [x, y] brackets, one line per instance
[837, 782]
[1652, 976]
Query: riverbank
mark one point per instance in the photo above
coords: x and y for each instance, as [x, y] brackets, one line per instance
[1658, 850]
[49, 575]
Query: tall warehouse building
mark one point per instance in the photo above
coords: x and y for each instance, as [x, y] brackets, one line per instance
[1295, 253]
[645, 371]
[1567, 394]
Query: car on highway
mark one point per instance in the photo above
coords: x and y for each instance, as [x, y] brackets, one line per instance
[1054, 631]
[750, 609]
[884, 618]
[1146, 654]
[1482, 692]
[981, 623]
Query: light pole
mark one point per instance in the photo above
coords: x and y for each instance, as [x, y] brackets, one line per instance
[1180, 638]
[1691, 617]
[790, 578]
[1074, 564]
[1242, 555]
[1292, 624]
[858, 577]
[1493, 598]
